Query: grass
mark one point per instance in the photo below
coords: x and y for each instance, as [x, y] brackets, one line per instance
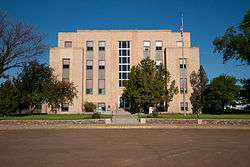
[53, 117]
[202, 116]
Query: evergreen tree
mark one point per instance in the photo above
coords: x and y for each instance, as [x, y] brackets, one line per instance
[148, 86]
[198, 82]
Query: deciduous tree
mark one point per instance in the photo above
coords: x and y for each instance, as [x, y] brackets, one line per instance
[222, 91]
[19, 44]
[235, 43]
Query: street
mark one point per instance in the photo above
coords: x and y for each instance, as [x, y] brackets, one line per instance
[125, 147]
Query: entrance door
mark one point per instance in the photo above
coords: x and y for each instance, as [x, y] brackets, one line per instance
[123, 103]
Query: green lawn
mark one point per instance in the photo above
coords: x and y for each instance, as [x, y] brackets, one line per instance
[202, 116]
[53, 117]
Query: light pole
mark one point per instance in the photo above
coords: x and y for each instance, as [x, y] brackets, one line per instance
[184, 81]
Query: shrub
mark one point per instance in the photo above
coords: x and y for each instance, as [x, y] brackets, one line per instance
[89, 107]
[96, 116]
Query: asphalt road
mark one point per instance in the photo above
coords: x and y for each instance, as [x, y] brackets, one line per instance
[125, 147]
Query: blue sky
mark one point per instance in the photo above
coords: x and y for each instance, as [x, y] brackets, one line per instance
[204, 19]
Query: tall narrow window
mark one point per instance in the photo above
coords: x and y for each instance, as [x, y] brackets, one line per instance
[182, 63]
[101, 76]
[68, 44]
[158, 53]
[183, 85]
[89, 67]
[65, 70]
[184, 107]
[146, 49]
[124, 62]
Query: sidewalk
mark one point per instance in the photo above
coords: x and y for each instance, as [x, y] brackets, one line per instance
[122, 117]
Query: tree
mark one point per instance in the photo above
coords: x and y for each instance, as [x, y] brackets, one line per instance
[148, 86]
[169, 89]
[59, 92]
[222, 91]
[8, 98]
[235, 44]
[198, 82]
[19, 44]
[245, 91]
[37, 85]
[31, 85]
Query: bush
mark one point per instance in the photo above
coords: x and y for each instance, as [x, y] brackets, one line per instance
[96, 116]
[89, 107]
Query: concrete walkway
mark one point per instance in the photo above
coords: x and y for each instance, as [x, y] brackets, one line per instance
[122, 117]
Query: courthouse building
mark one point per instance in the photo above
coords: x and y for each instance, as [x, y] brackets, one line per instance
[98, 62]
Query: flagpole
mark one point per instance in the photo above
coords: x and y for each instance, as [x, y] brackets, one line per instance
[184, 70]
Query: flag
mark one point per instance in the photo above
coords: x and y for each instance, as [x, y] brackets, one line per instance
[181, 27]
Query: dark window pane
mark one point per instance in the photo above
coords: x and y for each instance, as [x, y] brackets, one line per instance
[124, 53]
[89, 67]
[101, 67]
[123, 44]
[120, 83]
[89, 48]
[65, 65]
[158, 48]
[89, 91]
[68, 44]
[101, 48]
[65, 107]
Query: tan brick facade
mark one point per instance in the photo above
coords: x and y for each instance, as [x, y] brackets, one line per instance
[77, 56]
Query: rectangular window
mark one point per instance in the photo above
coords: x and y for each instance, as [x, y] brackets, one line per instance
[65, 70]
[146, 49]
[101, 45]
[89, 64]
[65, 107]
[124, 62]
[182, 63]
[158, 45]
[101, 107]
[101, 64]
[66, 63]
[183, 85]
[89, 86]
[67, 44]
[158, 62]
[89, 45]
[101, 85]
[124, 44]
[182, 106]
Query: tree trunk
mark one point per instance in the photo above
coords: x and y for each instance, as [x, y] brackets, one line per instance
[166, 107]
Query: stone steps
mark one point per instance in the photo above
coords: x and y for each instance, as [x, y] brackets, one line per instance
[123, 117]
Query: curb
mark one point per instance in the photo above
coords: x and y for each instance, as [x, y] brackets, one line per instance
[123, 127]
